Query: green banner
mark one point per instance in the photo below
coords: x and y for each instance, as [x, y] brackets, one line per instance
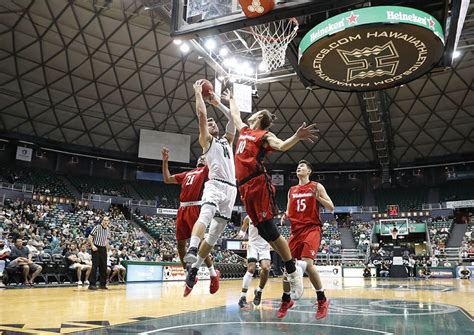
[370, 15]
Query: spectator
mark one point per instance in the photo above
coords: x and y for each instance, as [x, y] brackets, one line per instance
[4, 254]
[32, 249]
[75, 263]
[20, 258]
[385, 270]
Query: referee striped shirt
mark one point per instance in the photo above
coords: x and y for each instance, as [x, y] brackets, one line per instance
[100, 235]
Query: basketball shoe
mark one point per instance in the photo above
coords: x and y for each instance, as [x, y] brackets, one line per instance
[214, 287]
[191, 280]
[296, 283]
[191, 255]
[258, 297]
[243, 303]
[284, 307]
[323, 306]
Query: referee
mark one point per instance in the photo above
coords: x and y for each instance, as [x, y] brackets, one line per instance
[99, 242]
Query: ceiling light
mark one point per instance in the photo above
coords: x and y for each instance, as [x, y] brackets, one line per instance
[224, 52]
[210, 44]
[184, 48]
[221, 78]
[177, 42]
[456, 54]
[230, 62]
[262, 67]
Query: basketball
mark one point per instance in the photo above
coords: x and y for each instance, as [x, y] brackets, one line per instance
[207, 88]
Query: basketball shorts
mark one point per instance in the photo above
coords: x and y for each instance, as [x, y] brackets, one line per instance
[221, 195]
[305, 243]
[185, 220]
[258, 253]
[258, 197]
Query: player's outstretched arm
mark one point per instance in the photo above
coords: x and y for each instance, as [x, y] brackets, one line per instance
[230, 127]
[323, 197]
[167, 177]
[235, 112]
[308, 133]
[201, 111]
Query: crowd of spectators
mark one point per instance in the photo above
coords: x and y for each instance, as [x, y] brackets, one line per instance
[439, 230]
[361, 232]
[43, 183]
[44, 228]
[104, 190]
[467, 245]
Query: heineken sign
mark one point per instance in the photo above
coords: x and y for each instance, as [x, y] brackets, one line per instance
[371, 48]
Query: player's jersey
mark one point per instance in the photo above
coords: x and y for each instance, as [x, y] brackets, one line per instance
[255, 239]
[220, 160]
[249, 153]
[192, 183]
[303, 207]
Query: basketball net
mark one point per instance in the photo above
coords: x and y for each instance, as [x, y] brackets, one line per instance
[394, 234]
[273, 38]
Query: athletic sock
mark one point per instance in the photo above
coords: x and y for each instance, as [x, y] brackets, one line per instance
[247, 279]
[286, 297]
[320, 294]
[290, 266]
[243, 294]
[194, 242]
[212, 271]
[259, 289]
[198, 263]
[302, 265]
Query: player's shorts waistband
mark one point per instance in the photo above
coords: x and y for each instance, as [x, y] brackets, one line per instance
[190, 203]
[249, 178]
[224, 182]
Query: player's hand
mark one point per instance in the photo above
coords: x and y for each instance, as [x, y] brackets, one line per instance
[165, 154]
[198, 87]
[241, 235]
[213, 99]
[282, 219]
[94, 248]
[309, 133]
[227, 95]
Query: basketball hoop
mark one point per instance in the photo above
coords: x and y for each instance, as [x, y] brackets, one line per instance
[273, 38]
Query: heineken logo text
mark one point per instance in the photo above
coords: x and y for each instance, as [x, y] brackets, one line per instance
[371, 48]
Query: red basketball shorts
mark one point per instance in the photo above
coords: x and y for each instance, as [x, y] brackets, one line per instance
[185, 220]
[258, 197]
[305, 243]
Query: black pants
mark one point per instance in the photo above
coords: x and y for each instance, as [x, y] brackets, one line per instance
[99, 260]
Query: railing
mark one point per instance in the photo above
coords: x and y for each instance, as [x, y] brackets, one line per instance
[143, 203]
[96, 197]
[450, 204]
[17, 187]
[352, 209]
[427, 207]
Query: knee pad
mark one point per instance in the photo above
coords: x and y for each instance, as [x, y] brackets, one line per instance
[216, 230]
[207, 214]
[268, 230]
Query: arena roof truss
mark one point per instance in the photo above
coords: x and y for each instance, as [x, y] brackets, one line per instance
[93, 73]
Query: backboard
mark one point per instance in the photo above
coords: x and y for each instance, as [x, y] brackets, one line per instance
[201, 18]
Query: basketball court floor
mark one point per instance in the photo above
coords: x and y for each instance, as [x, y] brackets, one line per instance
[358, 306]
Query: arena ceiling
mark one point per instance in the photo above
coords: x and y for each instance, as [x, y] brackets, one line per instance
[78, 73]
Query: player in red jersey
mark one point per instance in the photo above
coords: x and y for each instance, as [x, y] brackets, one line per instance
[256, 189]
[303, 214]
[192, 185]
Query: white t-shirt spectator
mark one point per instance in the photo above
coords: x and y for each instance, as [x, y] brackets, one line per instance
[85, 257]
[33, 250]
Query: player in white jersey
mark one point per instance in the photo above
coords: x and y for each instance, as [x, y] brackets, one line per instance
[219, 193]
[258, 250]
